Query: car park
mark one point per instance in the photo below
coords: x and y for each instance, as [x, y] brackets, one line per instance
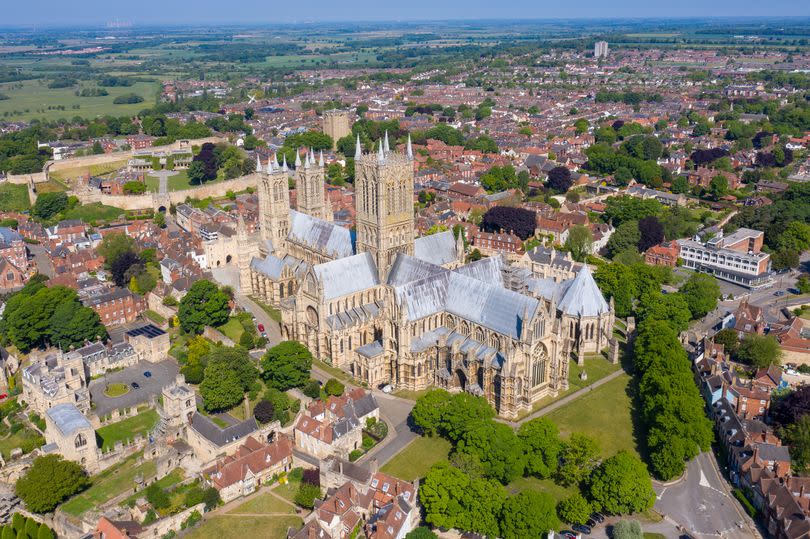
[598, 517]
[582, 528]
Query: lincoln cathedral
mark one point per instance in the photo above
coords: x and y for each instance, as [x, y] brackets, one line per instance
[390, 308]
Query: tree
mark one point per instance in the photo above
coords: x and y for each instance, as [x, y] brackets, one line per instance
[796, 236]
[622, 176]
[497, 448]
[621, 484]
[577, 459]
[196, 173]
[236, 359]
[287, 365]
[49, 204]
[581, 126]
[333, 387]
[124, 267]
[114, 245]
[626, 237]
[520, 221]
[49, 481]
[428, 412]
[221, 388]
[574, 509]
[718, 186]
[463, 411]
[579, 242]
[204, 305]
[803, 284]
[760, 351]
[728, 338]
[679, 185]
[18, 522]
[307, 494]
[542, 446]
[44, 532]
[528, 514]
[452, 499]
[559, 179]
[670, 308]
[73, 324]
[422, 532]
[701, 292]
[312, 389]
[797, 436]
[157, 497]
[651, 232]
[627, 529]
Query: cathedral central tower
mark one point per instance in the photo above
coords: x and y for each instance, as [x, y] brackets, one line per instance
[383, 191]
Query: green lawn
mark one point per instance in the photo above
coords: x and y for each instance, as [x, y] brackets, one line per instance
[51, 186]
[236, 527]
[127, 429]
[32, 99]
[116, 390]
[605, 414]
[71, 173]
[558, 492]
[177, 182]
[110, 483]
[232, 329]
[173, 477]
[13, 197]
[27, 439]
[596, 367]
[334, 371]
[289, 490]
[416, 459]
[271, 311]
[154, 316]
[263, 503]
[94, 212]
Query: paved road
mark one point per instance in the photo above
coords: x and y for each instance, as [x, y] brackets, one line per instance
[702, 504]
[163, 374]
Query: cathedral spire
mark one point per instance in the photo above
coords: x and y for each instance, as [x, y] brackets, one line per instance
[320, 159]
[358, 150]
[278, 165]
[387, 148]
[409, 149]
[311, 156]
[259, 163]
[307, 159]
[297, 158]
[284, 166]
[381, 154]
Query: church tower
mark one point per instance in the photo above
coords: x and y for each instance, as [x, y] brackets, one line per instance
[248, 249]
[383, 191]
[309, 184]
[274, 204]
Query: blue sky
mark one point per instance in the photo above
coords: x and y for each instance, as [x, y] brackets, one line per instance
[91, 12]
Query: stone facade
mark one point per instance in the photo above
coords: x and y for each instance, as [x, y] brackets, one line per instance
[336, 125]
[392, 308]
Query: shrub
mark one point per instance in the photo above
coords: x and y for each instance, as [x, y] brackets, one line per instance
[312, 476]
[312, 389]
[334, 388]
[354, 455]
[306, 495]
[746, 503]
[368, 442]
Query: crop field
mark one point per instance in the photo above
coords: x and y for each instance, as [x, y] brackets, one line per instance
[33, 99]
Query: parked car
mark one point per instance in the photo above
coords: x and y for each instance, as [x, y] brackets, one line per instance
[260, 328]
[147, 374]
[135, 385]
[779, 293]
[598, 517]
[568, 534]
[387, 388]
[582, 528]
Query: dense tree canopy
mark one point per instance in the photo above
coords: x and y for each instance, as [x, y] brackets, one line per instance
[528, 514]
[497, 448]
[621, 485]
[520, 221]
[541, 442]
[287, 365]
[50, 481]
[559, 179]
[701, 293]
[759, 351]
[204, 305]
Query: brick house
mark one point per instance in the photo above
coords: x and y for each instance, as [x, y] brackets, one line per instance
[665, 254]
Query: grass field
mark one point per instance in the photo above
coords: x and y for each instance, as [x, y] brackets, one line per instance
[116, 390]
[26, 436]
[558, 492]
[263, 503]
[51, 186]
[289, 490]
[71, 173]
[605, 414]
[168, 481]
[30, 99]
[94, 212]
[127, 429]
[232, 329]
[239, 527]
[13, 197]
[177, 182]
[110, 483]
[416, 459]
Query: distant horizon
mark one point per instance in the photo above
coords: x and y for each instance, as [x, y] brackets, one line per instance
[93, 13]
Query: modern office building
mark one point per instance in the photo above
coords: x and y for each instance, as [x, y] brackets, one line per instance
[736, 258]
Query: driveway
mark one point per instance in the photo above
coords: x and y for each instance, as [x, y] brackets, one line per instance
[163, 374]
[702, 504]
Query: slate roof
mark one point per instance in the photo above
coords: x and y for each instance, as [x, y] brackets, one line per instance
[322, 235]
[347, 275]
[219, 436]
[68, 419]
[437, 248]
[272, 266]
[583, 297]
